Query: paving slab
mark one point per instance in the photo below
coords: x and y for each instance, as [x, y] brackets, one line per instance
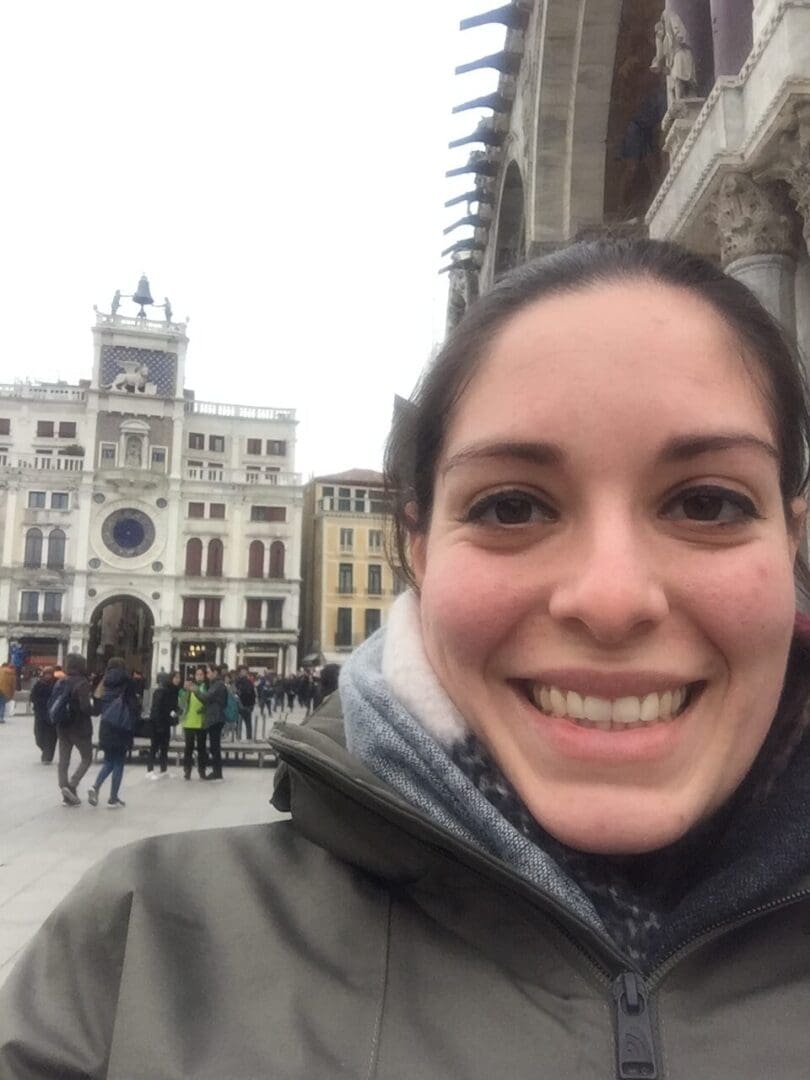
[45, 847]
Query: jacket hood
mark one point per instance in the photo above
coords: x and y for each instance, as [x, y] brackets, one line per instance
[115, 678]
[163, 680]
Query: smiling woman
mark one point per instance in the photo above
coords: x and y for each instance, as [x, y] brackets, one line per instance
[555, 824]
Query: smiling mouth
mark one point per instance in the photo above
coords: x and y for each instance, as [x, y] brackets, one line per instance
[618, 714]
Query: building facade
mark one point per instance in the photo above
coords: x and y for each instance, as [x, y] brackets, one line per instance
[348, 585]
[686, 120]
[137, 520]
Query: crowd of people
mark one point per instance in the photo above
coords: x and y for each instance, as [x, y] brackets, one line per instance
[205, 706]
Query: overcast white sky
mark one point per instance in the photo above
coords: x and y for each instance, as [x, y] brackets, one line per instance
[277, 169]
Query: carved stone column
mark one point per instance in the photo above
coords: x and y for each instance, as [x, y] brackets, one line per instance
[758, 242]
[732, 33]
[792, 164]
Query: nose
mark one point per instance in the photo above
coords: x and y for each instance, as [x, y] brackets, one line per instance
[612, 584]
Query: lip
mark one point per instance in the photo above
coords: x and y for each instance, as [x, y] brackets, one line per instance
[610, 684]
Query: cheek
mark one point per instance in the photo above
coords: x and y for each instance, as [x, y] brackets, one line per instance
[471, 603]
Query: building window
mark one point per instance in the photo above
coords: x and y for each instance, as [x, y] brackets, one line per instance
[344, 499]
[277, 559]
[67, 429]
[36, 500]
[196, 441]
[327, 492]
[33, 549]
[194, 557]
[256, 559]
[216, 510]
[56, 552]
[211, 606]
[343, 637]
[268, 513]
[29, 603]
[158, 457]
[372, 620]
[360, 500]
[213, 567]
[345, 578]
[44, 429]
[196, 509]
[108, 455]
[253, 615]
[52, 608]
[216, 443]
[60, 500]
[346, 539]
[276, 447]
[275, 612]
[191, 611]
[375, 539]
[254, 446]
[374, 579]
[194, 470]
[5, 425]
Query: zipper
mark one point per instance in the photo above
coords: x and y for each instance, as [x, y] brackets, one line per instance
[635, 1042]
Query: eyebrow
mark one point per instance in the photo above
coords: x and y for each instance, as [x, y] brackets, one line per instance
[681, 448]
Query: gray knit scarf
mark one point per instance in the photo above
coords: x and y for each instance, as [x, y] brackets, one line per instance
[403, 727]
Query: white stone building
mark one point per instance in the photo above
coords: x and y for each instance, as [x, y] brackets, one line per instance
[136, 520]
[686, 120]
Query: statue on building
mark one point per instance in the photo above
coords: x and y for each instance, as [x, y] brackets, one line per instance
[167, 309]
[134, 452]
[116, 302]
[674, 58]
[133, 379]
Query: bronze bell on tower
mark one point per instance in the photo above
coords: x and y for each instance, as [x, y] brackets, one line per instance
[142, 295]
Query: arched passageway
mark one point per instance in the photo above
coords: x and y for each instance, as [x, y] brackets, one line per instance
[121, 626]
[511, 234]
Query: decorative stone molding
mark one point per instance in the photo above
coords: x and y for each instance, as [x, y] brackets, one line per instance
[752, 219]
[792, 165]
[678, 122]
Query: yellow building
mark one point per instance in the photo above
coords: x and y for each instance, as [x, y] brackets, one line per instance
[347, 585]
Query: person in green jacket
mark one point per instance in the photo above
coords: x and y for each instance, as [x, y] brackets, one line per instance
[193, 724]
[554, 824]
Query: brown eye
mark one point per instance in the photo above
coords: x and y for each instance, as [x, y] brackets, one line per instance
[513, 510]
[510, 508]
[711, 506]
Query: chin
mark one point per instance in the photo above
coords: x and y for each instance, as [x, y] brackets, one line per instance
[616, 834]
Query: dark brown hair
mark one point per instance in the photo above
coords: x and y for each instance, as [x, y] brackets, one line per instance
[418, 432]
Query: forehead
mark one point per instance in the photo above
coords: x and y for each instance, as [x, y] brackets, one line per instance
[629, 360]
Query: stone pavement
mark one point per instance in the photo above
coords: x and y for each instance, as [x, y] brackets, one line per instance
[45, 847]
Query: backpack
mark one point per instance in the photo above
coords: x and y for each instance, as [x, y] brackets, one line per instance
[60, 705]
[232, 709]
[118, 714]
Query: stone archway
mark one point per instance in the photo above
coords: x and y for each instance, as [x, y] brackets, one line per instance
[510, 238]
[122, 626]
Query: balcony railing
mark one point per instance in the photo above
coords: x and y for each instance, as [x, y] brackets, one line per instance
[148, 326]
[43, 392]
[237, 412]
[51, 616]
[220, 475]
[346, 590]
[41, 462]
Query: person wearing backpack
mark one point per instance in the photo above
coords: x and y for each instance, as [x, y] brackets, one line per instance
[215, 701]
[163, 715]
[70, 711]
[116, 702]
[45, 734]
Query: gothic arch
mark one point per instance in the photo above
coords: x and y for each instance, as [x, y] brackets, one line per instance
[510, 235]
[277, 559]
[256, 559]
[56, 549]
[32, 558]
[213, 566]
[194, 550]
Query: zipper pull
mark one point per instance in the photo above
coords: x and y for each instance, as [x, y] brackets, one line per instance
[635, 1045]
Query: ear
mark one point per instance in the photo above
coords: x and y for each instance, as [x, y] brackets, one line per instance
[417, 544]
[797, 525]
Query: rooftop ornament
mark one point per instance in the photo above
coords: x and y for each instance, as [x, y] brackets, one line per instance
[515, 16]
[504, 61]
[478, 221]
[469, 244]
[497, 101]
[484, 133]
[477, 163]
[478, 195]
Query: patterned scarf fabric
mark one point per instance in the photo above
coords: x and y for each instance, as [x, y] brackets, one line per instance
[401, 724]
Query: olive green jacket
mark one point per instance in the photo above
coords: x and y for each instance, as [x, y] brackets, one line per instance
[358, 940]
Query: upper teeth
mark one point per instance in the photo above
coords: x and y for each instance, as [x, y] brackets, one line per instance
[609, 715]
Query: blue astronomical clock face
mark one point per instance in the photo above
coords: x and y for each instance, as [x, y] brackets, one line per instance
[128, 533]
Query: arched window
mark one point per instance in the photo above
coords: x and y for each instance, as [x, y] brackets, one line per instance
[194, 557]
[256, 559]
[56, 549]
[214, 564]
[277, 559]
[33, 549]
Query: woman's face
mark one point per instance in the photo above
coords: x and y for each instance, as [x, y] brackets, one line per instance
[199, 675]
[607, 581]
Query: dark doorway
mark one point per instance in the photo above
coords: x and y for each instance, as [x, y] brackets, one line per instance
[121, 626]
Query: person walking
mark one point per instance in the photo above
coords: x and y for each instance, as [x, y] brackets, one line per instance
[214, 700]
[45, 734]
[246, 692]
[193, 715]
[75, 729]
[8, 687]
[289, 692]
[163, 715]
[117, 702]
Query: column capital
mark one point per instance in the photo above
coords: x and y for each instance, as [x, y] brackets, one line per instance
[792, 164]
[752, 219]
